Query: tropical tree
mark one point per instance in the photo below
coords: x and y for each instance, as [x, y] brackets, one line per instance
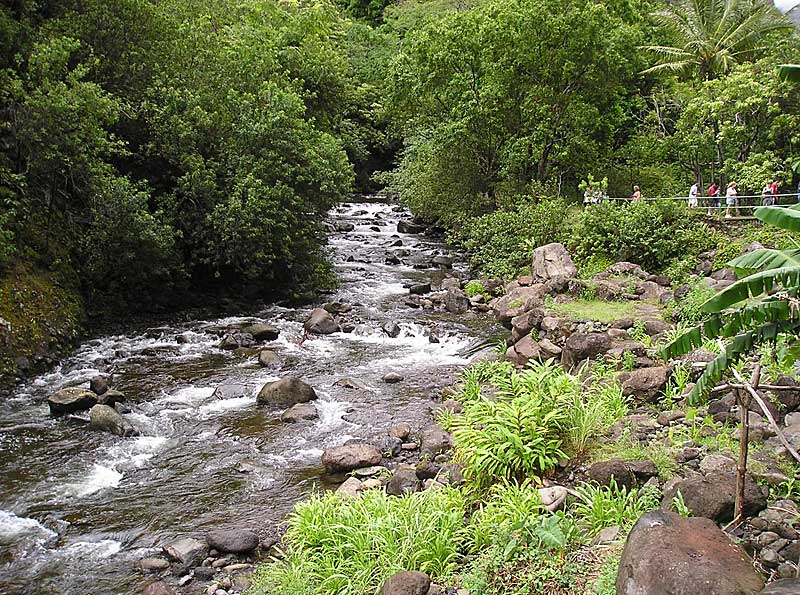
[762, 306]
[711, 36]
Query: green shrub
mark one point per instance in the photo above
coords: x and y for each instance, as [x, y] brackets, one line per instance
[651, 234]
[474, 288]
[507, 507]
[605, 506]
[500, 243]
[688, 309]
[350, 546]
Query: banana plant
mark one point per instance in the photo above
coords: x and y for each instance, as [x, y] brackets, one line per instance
[762, 305]
[789, 72]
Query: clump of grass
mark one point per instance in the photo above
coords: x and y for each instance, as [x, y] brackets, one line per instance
[350, 546]
[605, 506]
[630, 449]
[598, 310]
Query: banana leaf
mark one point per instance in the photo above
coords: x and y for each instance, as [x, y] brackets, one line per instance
[789, 72]
[782, 217]
[753, 286]
[764, 259]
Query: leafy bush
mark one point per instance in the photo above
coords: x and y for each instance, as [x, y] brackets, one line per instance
[500, 243]
[605, 506]
[351, 546]
[688, 309]
[507, 507]
[474, 288]
[651, 234]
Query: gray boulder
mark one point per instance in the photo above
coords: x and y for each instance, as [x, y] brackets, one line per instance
[713, 496]
[644, 384]
[625, 473]
[404, 481]
[187, 551]
[406, 226]
[300, 412]
[69, 400]
[407, 583]
[263, 332]
[99, 384]
[523, 351]
[230, 391]
[106, 419]
[286, 392]
[582, 346]
[552, 261]
[320, 322]
[785, 586]
[350, 456]
[456, 301]
[232, 540]
[391, 328]
[268, 359]
[434, 440]
[518, 301]
[111, 397]
[666, 554]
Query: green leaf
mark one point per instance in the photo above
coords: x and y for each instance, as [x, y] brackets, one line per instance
[753, 286]
[782, 217]
[789, 72]
[764, 259]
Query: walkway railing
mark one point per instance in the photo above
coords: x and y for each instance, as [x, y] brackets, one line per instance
[709, 203]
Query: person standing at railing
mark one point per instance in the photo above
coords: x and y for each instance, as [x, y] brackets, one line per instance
[773, 189]
[637, 194]
[693, 191]
[731, 201]
[713, 196]
[766, 195]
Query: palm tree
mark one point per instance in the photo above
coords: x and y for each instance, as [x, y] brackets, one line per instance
[714, 35]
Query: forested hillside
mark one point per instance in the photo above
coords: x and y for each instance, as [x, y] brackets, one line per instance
[155, 153]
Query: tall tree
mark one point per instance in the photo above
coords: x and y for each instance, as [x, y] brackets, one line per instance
[711, 36]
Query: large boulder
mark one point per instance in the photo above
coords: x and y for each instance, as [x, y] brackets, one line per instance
[106, 419]
[232, 540]
[434, 440]
[99, 384]
[582, 346]
[404, 481]
[666, 554]
[625, 473]
[69, 400]
[713, 496]
[523, 351]
[552, 261]
[406, 583]
[406, 226]
[263, 332]
[320, 322]
[231, 391]
[785, 586]
[644, 384]
[523, 324]
[350, 456]
[517, 302]
[187, 551]
[299, 412]
[456, 301]
[286, 392]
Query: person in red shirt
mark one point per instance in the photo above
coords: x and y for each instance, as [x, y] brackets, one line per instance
[713, 196]
[773, 188]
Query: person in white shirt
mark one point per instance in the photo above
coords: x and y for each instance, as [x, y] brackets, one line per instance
[693, 191]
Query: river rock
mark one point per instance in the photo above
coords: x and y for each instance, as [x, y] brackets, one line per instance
[517, 302]
[233, 341]
[350, 456]
[666, 554]
[407, 583]
[232, 540]
[99, 384]
[286, 392]
[230, 391]
[625, 473]
[434, 440]
[187, 551]
[320, 322]
[268, 359]
[456, 301]
[69, 400]
[351, 487]
[106, 419]
[392, 329]
[716, 463]
[392, 378]
[644, 384]
[523, 351]
[300, 412]
[400, 431]
[263, 332]
[404, 481]
[785, 586]
[406, 226]
[153, 564]
[552, 261]
[343, 226]
[713, 496]
[582, 346]
[158, 588]
[420, 289]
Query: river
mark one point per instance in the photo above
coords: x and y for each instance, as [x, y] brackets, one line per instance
[78, 509]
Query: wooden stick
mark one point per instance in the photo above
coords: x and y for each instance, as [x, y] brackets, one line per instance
[767, 414]
[772, 387]
[743, 398]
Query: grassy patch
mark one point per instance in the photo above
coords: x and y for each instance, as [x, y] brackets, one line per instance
[598, 310]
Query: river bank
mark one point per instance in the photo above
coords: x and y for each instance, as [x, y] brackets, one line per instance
[82, 508]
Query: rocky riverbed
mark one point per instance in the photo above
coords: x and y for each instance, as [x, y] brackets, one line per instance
[178, 444]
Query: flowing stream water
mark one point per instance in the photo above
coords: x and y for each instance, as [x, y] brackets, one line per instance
[78, 508]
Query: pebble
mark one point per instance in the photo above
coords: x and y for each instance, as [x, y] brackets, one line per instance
[221, 562]
[392, 378]
[185, 580]
[153, 564]
[409, 446]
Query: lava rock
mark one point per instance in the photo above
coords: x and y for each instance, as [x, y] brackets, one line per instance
[456, 301]
[99, 384]
[583, 346]
[404, 481]
[713, 496]
[625, 473]
[106, 419]
[434, 440]
[392, 378]
[187, 551]
[644, 384]
[523, 351]
[350, 456]
[406, 583]
[786, 586]
[552, 261]
[420, 289]
[232, 540]
[263, 332]
[70, 400]
[320, 322]
[666, 554]
[286, 392]
[300, 412]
